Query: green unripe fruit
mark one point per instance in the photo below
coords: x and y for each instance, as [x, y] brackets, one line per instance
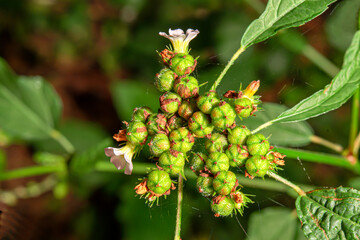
[207, 102]
[223, 116]
[216, 143]
[257, 166]
[158, 181]
[240, 200]
[237, 155]
[187, 87]
[186, 109]
[172, 162]
[205, 185]
[222, 208]
[243, 107]
[197, 161]
[217, 162]
[224, 182]
[257, 144]
[156, 123]
[164, 81]
[181, 140]
[170, 102]
[238, 135]
[141, 114]
[136, 133]
[182, 64]
[159, 144]
[175, 122]
[199, 124]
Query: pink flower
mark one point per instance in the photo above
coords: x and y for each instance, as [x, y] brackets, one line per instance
[122, 157]
[179, 39]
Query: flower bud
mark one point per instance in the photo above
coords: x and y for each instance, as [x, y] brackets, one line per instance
[187, 87]
[172, 162]
[216, 143]
[164, 81]
[244, 107]
[159, 144]
[158, 181]
[181, 140]
[175, 122]
[224, 182]
[199, 124]
[183, 64]
[223, 116]
[257, 166]
[207, 101]
[136, 133]
[217, 162]
[251, 89]
[237, 155]
[141, 114]
[257, 144]
[240, 201]
[186, 109]
[156, 123]
[170, 102]
[222, 207]
[197, 162]
[205, 185]
[238, 135]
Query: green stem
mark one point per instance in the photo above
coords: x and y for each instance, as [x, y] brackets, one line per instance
[179, 209]
[262, 126]
[333, 146]
[354, 125]
[228, 65]
[286, 182]
[63, 141]
[356, 145]
[29, 172]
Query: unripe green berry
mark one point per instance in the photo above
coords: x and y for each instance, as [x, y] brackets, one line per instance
[159, 144]
[187, 86]
[182, 64]
[238, 135]
[172, 162]
[257, 144]
[216, 143]
[181, 140]
[243, 107]
[186, 109]
[136, 133]
[240, 200]
[199, 124]
[205, 185]
[223, 116]
[170, 102]
[237, 155]
[164, 81]
[197, 161]
[158, 181]
[222, 208]
[224, 182]
[156, 123]
[141, 114]
[207, 101]
[217, 162]
[257, 166]
[175, 122]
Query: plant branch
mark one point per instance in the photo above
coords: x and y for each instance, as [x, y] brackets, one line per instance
[179, 208]
[286, 182]
[63, 141]
[333, 146]
[262, 126]
[356, 145]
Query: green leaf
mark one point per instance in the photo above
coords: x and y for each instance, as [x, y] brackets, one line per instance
[29, 107]
[274, 223]
[284, 134]
[333, 95]
[330, 213]
[128, 95]
[281, 14]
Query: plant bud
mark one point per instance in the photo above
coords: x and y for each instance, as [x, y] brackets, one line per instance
[238, 135]
[187, 87]
[217, 162]
[205, 185]
[223, 116]
[237, 155]
[181, 140]
[159, 144]
[207, 101]
[257, 144]
[156, 123]
[240, 201]
[183, 64]
[224, 182]
[164, 81]
[172, 162]
[175, 122]
[136, 133]
[197, 162]
[222, 207]
[141, 114]
[257, 166]
[244, 107]
[251, 89]
[158, 181]
[186, 109]
[170, 102]
[216, 143]
[199, 124]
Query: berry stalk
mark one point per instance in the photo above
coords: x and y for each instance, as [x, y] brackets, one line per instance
[286, 182]
[179, 208]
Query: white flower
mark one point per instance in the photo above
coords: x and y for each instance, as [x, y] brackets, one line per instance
[179, 39]
[122, 157]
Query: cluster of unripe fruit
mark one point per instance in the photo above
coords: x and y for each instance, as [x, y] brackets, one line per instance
[184, 118]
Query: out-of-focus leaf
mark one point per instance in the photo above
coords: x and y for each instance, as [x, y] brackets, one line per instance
[44, 158]
[29, 107]
[2, 160]
[333, 95]
[131, 94]
[330, 213]
[281, 14]
[284, 134]
[274, 223]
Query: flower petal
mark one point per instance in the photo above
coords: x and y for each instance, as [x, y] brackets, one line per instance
[109, 151]
[118, 161]
[128, 168]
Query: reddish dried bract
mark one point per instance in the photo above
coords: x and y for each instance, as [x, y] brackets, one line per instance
[141, 188]
[248, 175]
[121, 136]
[218, 199]
[237, 197]
[166, 56]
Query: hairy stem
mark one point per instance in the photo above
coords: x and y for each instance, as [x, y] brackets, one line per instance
[354, 124]
[265, 125]
[63, 141]
[179, 208]
[286, 182]
[228, 65]
[333, 146]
